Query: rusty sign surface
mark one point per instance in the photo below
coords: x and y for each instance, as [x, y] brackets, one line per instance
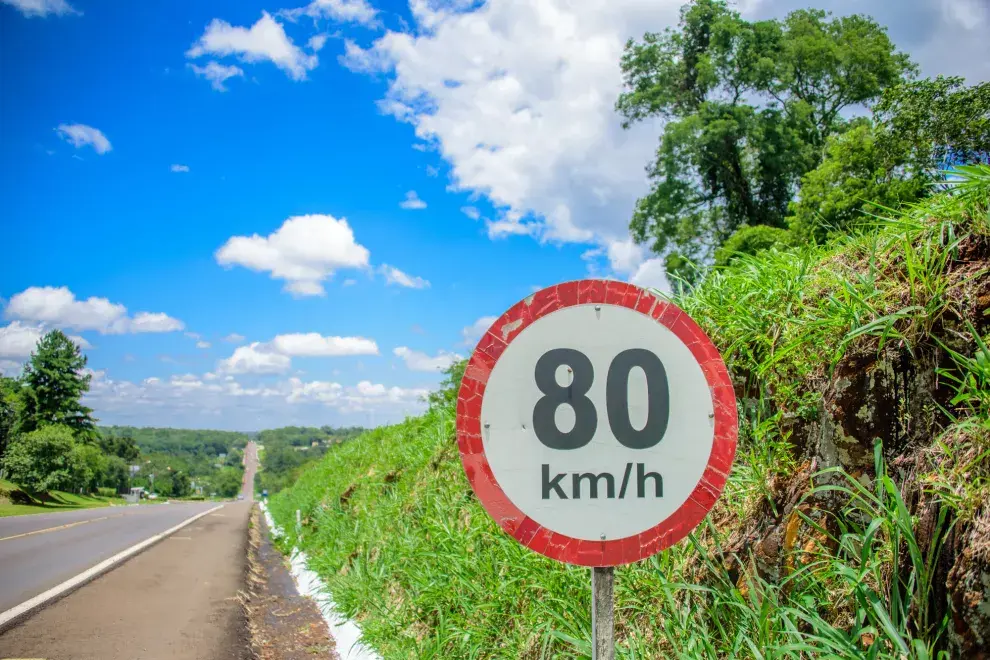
[596, 423]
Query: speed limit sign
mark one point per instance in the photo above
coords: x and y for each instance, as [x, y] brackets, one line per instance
[596, 423]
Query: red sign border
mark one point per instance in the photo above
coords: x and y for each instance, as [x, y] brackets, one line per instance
[526, 530]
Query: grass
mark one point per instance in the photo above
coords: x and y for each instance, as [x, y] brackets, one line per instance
[49, 502]
[392, 526]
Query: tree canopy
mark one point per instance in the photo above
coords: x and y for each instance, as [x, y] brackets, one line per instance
[55, 383]
[748, 110]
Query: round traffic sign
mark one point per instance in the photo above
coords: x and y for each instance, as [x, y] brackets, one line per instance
[596, 423]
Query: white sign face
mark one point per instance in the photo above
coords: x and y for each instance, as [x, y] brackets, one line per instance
[597, 422]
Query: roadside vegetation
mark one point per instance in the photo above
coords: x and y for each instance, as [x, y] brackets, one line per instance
[842, 266]
[851, 525]
[287, 450]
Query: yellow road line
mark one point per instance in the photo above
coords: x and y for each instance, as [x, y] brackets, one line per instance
[55, 529]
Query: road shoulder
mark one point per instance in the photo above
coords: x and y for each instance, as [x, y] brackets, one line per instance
[283, 625]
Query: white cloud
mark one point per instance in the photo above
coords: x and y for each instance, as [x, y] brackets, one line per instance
[352, 11]
[81, 135]
[432, 171]
[217, 74]
[179, 168]
[471, 212]
[412, 202]
[651, 274]
[519, 99]
[362, 397]
[360, 60]
[314, 344]
[473, 332]
[304, 252]
[317, 42]
[395, 276]
[265, 40]
[18, 340]
[234, 338]
[151, 322]
[255, 358]
[276, 355]
[58, 306]
[418, 361]
[42, 8]
[203, 344]
[349, 282]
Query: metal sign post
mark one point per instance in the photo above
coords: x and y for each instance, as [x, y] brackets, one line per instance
[603, 613]
[597, 425]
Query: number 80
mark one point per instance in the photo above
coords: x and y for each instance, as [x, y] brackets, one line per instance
[616, 399]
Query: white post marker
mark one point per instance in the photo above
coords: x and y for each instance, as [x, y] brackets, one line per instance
[597, 425]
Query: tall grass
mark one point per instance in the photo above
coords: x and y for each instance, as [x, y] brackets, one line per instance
[391, 524]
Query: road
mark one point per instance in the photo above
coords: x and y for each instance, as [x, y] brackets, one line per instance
[40, 551]
[176, 600]
[250, 467]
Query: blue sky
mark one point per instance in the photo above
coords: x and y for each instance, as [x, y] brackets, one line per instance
[254, 214]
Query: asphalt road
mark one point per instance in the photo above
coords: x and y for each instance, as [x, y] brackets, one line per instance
[176, 600]
[250, 467]
[40, 551]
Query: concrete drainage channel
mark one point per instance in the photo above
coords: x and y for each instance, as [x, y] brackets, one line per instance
[16, 614]
[345, 632]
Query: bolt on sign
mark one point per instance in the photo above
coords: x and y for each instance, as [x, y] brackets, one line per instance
[597, 424]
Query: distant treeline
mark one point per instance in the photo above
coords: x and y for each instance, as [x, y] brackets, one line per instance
[176, 462]
[287, 449]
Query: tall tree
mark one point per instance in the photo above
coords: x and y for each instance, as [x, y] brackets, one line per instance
[11, 411]
[54, 376]
[748, 109]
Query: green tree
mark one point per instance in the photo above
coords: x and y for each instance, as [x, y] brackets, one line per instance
[227, 482]
[11, 411]
[118, 475]
[181, 484]
[55, 379]
[748, 108]
[89, 467]
[42, 460]
[918, 130]
[122, 446]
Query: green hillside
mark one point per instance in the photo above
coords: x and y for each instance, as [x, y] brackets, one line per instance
[851, 524]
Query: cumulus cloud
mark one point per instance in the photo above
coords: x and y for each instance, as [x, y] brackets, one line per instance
[303, 252]
[412, 202]
[81, 135]
[234, 338]
[471, 212]
[244, 402]
[418, 361]
[42, 8]
[275, 356]
[179, 168]
[265, 40]
[395, 276]
[255, 358]
[352, 11]
[217, 74]
[473, 332]
[202, 344]
[18, 340]
[59, 307]
[314, 344]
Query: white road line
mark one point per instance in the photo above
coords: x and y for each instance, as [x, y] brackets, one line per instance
[18, 612]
